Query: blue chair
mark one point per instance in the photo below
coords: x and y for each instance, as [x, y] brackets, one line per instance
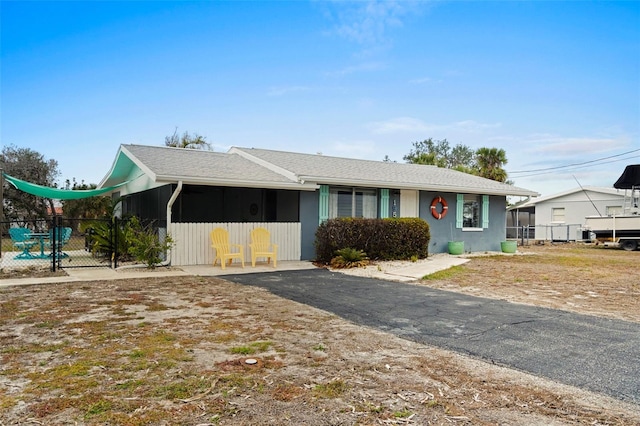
[63, 235]
[21, 238]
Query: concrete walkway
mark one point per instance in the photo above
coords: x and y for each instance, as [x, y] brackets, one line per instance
[394, 271]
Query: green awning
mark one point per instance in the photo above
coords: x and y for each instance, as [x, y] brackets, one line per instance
[56, 193]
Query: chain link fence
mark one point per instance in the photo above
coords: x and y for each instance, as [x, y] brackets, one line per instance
[57, 243]
[553, 233]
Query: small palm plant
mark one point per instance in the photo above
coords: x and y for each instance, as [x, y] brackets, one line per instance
[349, 258]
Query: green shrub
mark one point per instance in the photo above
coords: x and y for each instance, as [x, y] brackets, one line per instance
[145, 245]
[107, 235]
[349, 258]
[102, 238]
[381, 239]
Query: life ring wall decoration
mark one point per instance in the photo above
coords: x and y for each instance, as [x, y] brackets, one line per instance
[434, 208]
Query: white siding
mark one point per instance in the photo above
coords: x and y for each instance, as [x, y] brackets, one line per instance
[193, 246]
[576, 207]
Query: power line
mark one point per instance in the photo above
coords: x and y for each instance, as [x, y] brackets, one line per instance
[574, 168]
[576, 164]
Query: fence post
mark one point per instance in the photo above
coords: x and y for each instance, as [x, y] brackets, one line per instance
[53, 244]
[114, 233]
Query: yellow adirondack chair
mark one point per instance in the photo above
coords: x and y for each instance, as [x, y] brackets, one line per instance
[261, 246]
[220, 242]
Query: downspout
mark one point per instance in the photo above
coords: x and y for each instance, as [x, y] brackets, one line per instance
[172, 200]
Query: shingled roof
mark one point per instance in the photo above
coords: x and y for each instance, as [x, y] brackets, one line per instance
[323, 169]
[262, 168]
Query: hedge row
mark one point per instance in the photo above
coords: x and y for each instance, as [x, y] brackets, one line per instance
[381, 239]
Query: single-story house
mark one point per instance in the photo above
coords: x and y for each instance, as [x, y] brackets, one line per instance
[189, 192]
[561, 216]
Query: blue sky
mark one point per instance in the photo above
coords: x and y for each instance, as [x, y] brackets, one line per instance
[551, 83]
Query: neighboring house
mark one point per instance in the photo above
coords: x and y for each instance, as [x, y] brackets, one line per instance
[560, 217]
[189, 192]
[57, 210]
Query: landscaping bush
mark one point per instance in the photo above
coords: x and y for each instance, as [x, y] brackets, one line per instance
[145, 245]
[349, 258]
[381, 239]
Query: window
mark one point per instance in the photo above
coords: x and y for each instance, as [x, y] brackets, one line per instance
[471, 211]
[557, 214]
[352, 202]
[614, 210]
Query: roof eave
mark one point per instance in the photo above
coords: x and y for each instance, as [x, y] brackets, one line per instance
[429, 187]
[237, 183]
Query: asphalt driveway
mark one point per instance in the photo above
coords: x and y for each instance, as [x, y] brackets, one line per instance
[598, 354]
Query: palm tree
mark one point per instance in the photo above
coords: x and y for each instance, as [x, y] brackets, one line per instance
[187, 141]
[491, 162]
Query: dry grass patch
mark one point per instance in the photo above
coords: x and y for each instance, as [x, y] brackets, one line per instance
[574, 277]
[96, 354]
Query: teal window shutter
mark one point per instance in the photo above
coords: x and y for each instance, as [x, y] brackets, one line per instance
[459, 210]
[323, 212]
[384, 203]
[485, 211]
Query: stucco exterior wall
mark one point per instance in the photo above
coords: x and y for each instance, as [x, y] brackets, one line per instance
[444, 230]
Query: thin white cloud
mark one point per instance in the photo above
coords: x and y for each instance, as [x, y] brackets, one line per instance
[362, 67]
[367, 22]
[352, 148]
[570, 146]
[413, 125]
[592, 160]
[285, 90]
[472, 126]
[424, 80]
[400, 124]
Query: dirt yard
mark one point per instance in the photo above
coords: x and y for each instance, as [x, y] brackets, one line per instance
[203, 351]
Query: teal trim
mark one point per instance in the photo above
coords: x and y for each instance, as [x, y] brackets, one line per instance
[323, 208]
[384, 203]
[459, 210]
[485, 211]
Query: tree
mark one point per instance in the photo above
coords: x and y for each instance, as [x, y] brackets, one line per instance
[31, 166]
[85, 208]
[187, 141]
[485, 162]
[439, 153]
[490, 163]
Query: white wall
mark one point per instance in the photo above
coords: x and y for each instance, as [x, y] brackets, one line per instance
[193, 244]
[576, 206]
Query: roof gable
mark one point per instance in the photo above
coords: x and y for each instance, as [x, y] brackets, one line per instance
[167, 164]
